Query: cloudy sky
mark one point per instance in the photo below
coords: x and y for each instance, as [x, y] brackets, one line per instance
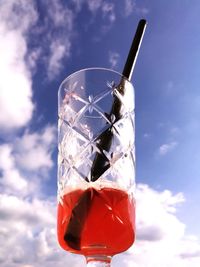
[42, 42]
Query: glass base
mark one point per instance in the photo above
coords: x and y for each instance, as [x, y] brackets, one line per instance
[98, 261]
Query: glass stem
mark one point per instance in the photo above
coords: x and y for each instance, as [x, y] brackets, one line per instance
[98, 261]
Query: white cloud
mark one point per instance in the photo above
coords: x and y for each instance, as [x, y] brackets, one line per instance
[52, 43]
[33, 150]
[108, 11]
[60, 15]
[142, 11]
[166, 148]
[27, 222]
[29, 226]
[16, 104]
[94, 5]
[113, 59]
[11, 179]
[147, 135]
[58, 50]
[35, 212]
[156, 218]
[190, 248]
[14, 181]
[33, 57]
[129, 6]
[30, 155]
[59, 30]
[24, 222]
[18, 15]
[59, 37]
[160, 236]
[6, 160]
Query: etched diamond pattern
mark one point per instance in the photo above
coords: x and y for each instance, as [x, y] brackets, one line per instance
[81, 122]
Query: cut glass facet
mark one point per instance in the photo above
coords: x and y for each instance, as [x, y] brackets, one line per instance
[84, 116]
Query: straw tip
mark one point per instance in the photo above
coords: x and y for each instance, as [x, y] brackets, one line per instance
[143, 21]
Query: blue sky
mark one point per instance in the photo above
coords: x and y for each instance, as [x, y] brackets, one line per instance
[40, 44]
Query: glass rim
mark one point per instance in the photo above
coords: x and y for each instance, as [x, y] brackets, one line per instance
[95, 68]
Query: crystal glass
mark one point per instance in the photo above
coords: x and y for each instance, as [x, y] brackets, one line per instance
[96, 165]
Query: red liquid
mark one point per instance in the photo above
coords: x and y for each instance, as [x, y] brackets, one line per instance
[96, 221]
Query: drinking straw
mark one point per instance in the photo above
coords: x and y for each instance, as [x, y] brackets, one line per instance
[101, 164]
[134, 50]
[76, 223]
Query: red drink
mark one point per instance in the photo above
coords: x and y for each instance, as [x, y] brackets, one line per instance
[96, 221]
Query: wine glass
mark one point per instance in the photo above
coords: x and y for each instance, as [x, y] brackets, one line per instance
[96, 165]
